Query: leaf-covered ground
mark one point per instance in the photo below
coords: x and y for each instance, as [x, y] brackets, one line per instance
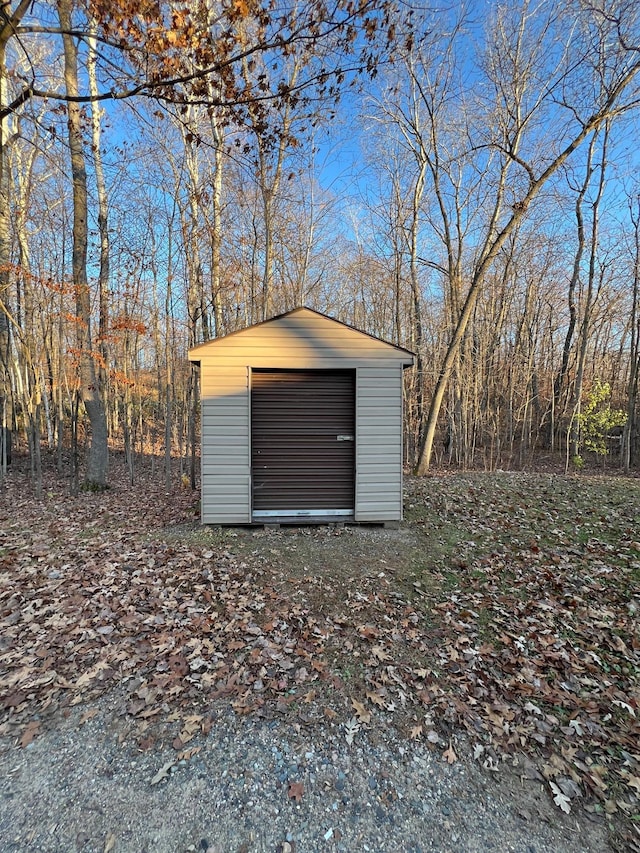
[505, 608]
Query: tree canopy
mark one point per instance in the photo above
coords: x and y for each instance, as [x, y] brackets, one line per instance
[461, 181]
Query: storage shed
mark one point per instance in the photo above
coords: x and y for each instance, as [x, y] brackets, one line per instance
[301, 421]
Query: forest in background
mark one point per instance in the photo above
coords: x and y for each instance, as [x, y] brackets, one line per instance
[462, 182]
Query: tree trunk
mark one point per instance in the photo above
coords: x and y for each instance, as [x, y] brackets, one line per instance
[103, 225]
[588, 301]
[75, 460]
[559, 382]
[216, 229]
[5, 222]
[630, 427]
[98, 455]
[416, 299]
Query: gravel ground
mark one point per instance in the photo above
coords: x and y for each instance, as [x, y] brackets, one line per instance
[258, 785]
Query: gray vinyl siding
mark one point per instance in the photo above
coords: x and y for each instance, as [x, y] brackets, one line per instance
[379, 443]
[225, 467]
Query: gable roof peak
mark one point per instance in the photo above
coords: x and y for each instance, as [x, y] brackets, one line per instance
[300, 309]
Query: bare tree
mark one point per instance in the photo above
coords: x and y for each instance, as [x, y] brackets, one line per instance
[98, 458]
[10, 19]
[591, 284]
[103, 214]
[525, 87]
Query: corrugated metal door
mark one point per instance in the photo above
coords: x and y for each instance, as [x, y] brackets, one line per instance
[303, 443]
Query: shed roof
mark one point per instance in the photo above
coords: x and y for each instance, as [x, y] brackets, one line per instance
[310, 325]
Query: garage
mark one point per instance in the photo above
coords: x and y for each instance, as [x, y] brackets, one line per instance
[301, 420]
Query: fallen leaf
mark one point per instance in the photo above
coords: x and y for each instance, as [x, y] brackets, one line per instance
[109, 842]
[450, 755]
[560, 799]
[187, 754]
[88, 715]
[362, 713]
[351, 728]
[568, 787]
[29, 733]
[14, 699]
[633, 782]
[87, 677]
[296, 791]
[163, 773]
[624, 705]
[575, 725]
[375, 698]
[380, 654]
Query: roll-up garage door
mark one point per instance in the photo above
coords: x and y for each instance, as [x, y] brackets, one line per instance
[303, 443]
